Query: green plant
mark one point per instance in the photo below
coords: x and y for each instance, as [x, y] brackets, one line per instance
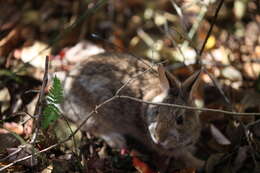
[51, 111]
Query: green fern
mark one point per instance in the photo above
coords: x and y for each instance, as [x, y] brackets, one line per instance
[51, 111]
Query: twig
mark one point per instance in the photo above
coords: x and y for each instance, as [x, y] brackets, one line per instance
[189, 107]
[39, 106]
[253, 123]
[211, 27]
[40, 101]
[180, 14]
[202, 49]
[28, 157]
[31, 91]
[12, 154]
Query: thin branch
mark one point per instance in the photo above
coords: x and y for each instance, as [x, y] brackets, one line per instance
[39, 106]
[12, 154]
[180, 14]
[211, 27]
[189, 107]
[40, 101]
[253, 123]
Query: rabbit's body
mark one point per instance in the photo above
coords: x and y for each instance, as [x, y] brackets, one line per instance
[123, 122]
[97, 80]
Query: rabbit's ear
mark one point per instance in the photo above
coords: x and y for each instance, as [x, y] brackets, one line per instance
[168, 81]
[191, 84]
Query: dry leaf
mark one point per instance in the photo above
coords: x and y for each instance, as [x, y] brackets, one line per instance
[81, 51]
[232, 73]
[35, 54]
[257, 51]
[13, 127]
[141, 166]
[219, 136]
[252, 70]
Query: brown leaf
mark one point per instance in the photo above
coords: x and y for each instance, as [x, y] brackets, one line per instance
[13, 127]
[141, 166]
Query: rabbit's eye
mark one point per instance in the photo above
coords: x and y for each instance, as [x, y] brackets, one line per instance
[179, 120]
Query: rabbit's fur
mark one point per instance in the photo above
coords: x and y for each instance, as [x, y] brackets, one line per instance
[123, 122]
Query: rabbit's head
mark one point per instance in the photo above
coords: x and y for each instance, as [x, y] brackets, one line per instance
[173, 127]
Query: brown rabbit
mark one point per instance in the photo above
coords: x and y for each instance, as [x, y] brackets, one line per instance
[123, 122]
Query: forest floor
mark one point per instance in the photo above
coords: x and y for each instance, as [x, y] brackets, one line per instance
[185, 34]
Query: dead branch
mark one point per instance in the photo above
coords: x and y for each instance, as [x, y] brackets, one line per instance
[39, 105]
[189, 107]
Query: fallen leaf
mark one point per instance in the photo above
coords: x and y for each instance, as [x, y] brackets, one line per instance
[35, 54]
[188, 55]
[141, 166]
[257, 51]
[232, 73]
[251, 70]
[81, 51]
[220, 54]
[219, 136]
[13, 127]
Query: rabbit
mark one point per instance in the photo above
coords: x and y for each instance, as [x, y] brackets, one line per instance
[124, 123]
